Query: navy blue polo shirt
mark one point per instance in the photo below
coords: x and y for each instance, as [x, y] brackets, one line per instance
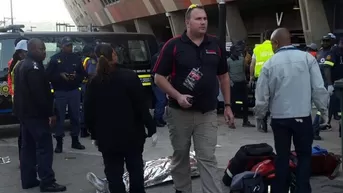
[325, 59]
[177, 59]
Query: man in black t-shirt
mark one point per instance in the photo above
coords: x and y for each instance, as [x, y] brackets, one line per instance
[194, 62]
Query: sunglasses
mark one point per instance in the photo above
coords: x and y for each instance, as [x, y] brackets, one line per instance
[193, 6]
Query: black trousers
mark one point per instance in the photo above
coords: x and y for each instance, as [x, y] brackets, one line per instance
[301, 131]
[239, 92]
[114, 170]
[19, 140]
[334, 106]
[36, 149]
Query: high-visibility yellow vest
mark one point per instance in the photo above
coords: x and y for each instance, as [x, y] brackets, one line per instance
[263, 52]
[12, 75]
[84, 64]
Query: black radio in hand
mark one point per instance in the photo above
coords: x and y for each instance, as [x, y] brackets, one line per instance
[190, 100]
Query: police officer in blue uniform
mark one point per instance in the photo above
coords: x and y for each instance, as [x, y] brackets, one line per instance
[66, 75]
[34, 107]
[325, 58]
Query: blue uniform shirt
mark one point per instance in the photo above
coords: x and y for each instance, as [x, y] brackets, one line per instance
[65, 63]
[325, 59]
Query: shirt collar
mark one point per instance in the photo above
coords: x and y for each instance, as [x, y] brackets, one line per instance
[186, 39]
[290, 47]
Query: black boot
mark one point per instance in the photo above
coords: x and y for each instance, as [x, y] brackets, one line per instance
[59, 145]
[160, 123]
[265, 126]
[340, 130]
[54, 187]
[75, 144]
[247, 123]
[84, 132]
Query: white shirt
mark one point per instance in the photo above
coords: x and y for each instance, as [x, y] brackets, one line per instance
[287, 85]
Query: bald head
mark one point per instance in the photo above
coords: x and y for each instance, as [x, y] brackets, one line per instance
[34, 43]
[280, 37]
[36, 49]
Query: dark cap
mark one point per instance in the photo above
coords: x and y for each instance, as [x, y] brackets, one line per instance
[66, 41]
[240, 43]
[313, 46]
[88, 49]
[233, 48]
[327, 37]
[332, 36]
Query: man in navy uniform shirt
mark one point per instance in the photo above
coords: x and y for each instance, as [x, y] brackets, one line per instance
[34, 107]
[66, 75]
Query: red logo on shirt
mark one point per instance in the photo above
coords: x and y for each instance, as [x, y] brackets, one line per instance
[211, 52]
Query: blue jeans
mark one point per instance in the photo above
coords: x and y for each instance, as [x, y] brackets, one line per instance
[301, 132]
[72, 99]
[161, 102]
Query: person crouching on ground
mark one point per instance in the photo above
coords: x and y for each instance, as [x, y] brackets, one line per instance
[116, 114]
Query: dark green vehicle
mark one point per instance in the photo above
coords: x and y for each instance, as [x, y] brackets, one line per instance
[134, 52]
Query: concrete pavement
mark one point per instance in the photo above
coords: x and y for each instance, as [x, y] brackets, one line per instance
[72, 166]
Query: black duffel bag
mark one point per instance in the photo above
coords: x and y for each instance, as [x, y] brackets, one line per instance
[246, 157]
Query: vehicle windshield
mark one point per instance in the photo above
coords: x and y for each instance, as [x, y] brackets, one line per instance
[132, 54]
[6, 52]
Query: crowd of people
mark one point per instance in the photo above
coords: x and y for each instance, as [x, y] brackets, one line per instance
[185, 72]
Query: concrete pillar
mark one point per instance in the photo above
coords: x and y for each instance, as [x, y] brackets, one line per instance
[176, 22]
[143, 26]
[314, 21]
[118, 28]
[234, 23]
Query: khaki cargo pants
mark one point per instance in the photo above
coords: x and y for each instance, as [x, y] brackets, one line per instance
[183, 125]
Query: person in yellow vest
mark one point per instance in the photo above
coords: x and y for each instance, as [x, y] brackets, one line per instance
[19, 54]
[89, 65]
[262, 53]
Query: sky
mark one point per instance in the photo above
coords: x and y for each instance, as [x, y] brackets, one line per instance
[42, 14]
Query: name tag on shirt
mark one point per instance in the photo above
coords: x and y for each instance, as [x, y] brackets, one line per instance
[211, 52]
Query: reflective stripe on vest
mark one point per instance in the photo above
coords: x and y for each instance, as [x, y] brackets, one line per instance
[84, 64]
[52, 90]
[12, 75]
[262, 53]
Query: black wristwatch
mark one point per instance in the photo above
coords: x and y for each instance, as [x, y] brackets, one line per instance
[227, 105]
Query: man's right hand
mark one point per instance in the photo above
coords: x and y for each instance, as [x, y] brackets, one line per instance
[325, 119]
[52, 121]
[64, 75]
[259, 123]
[183, 100]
